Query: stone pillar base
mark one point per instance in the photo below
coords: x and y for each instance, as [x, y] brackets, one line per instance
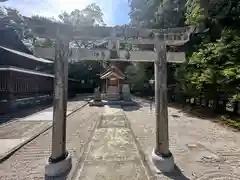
[163, 164]
[60, 168]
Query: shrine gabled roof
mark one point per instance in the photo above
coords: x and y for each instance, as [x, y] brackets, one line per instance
[110, 68]
[109, 74]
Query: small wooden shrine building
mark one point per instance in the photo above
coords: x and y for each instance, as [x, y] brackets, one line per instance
[113, 80]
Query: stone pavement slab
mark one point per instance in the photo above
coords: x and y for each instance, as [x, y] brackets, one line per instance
[18, 132]
[203, 150]
[28, 163]
[112, 144]
[113, 121]
[113, 171]
[112, 153]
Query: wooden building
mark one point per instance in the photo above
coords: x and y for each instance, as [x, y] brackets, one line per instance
[113, 80]
[24, 79]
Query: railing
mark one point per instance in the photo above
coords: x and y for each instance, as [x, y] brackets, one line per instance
[20, 89]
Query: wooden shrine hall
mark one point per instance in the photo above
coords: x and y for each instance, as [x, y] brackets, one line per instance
[113, 80]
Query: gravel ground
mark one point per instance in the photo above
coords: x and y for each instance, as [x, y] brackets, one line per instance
[28, 163]
[202, 149]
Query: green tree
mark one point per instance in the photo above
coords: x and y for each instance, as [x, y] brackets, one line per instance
[213, 71]
[157, 13]
[89, 16]
[137, 76]
[11, 18]
[213, 15]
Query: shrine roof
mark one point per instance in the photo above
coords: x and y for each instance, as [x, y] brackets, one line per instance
[110, 74]
[115, 69]
[25, 55]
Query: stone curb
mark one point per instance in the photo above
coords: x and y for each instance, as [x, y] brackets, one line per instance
[149, 173]
[13, 150]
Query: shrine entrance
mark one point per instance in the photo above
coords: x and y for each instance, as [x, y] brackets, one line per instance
[115, 36]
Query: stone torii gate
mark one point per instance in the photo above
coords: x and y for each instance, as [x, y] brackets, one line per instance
[60, 160]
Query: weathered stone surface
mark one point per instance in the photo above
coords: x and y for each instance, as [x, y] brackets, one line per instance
[113, 121]
[113, 110]
[113, 171]
[112, 144]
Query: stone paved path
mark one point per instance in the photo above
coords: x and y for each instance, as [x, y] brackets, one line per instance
[15, 132]
[203, 150]
[116, 144]
[112, 153]
[28, 163]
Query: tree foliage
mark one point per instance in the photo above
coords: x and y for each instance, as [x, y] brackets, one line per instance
[89, 16]
[92, 15]
[137, 75]
[212, 67]
[11, 18]
[213, 15]
[157, 13]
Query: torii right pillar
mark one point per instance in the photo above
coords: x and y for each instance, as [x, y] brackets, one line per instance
[161, 155]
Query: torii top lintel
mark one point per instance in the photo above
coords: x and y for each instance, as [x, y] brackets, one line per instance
[50, 29]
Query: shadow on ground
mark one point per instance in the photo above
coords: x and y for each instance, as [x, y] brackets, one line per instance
[132, 108]
[203, 113]
[63, 176]
[18, 113]
[231, 120]
[22, 112]
[176, 174]
[81, 97]
[129, 105]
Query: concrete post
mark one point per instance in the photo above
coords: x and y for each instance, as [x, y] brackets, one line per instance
[161, 156]
[60, 160]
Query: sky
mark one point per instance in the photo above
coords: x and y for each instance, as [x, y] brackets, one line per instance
[115, 11]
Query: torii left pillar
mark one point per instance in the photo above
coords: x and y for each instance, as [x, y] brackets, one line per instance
[60, 162]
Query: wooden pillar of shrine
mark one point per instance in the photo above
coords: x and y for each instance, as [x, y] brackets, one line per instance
[106, 85]
[118, 86]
